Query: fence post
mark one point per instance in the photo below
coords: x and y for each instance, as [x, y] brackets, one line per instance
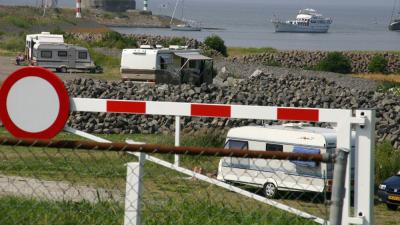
[177, 137]
[338, 189]
[133, 193]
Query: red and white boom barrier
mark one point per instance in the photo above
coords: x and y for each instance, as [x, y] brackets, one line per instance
[34, 103]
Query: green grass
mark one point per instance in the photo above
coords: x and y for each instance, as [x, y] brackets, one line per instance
[239, 51]
[15, 43]
[60, 213]
[20, 22]
[167, 212]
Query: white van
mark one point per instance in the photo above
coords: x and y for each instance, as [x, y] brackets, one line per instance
[274, 175]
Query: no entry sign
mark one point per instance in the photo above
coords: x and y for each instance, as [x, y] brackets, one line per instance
[33, 103]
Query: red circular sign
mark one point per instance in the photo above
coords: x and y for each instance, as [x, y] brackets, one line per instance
[34, 103]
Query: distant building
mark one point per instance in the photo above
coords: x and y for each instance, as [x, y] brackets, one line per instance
[110, 5]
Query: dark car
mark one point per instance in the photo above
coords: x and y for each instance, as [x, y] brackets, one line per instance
[389, 192]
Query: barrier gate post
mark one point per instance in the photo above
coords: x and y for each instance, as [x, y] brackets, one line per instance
[364, 168]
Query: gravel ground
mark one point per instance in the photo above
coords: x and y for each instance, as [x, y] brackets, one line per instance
[241, 70]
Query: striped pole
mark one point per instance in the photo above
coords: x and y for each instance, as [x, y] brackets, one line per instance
[78, 9]
[145, 5]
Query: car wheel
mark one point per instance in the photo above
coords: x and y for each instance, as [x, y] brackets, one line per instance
[63, 70]
[270, 190]
[392, 207]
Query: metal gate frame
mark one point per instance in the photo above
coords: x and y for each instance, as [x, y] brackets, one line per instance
[346, 121]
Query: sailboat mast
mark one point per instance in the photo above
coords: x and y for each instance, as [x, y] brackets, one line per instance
[173, 14]
[393, 10]
[183, 2]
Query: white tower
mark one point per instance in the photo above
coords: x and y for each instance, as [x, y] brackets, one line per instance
[145, 5]
[78, 8]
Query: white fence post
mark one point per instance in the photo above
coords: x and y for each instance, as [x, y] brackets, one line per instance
[133, 194]
[177, 137]
[364, 168]
[343, 130]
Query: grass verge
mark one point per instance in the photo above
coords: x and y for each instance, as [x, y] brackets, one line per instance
[379, 77]
[180, 212]
[239, 51]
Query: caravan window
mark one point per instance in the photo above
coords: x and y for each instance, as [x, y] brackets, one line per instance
[46, 54]
[82, 55]
[304, 150]
[274, 147]
[62, 53]
[238, 145]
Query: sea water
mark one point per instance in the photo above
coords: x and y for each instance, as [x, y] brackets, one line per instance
[357, 24]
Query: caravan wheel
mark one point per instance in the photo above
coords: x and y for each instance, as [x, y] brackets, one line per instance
[63, 69]
[270, 190]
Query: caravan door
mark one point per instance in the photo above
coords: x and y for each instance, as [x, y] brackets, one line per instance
[71, 57]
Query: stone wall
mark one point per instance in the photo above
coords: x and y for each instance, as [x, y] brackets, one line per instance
[309, 59]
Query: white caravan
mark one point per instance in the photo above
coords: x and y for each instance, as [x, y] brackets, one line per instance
[42, 38]
[175, 65]
[274, 175]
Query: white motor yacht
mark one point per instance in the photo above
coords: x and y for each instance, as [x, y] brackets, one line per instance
[307, 21]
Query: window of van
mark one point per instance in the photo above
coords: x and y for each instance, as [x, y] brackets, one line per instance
[46, 54]
[304, 150]
[62, 53]
[238, 145]
[274, 147]
[82, 55]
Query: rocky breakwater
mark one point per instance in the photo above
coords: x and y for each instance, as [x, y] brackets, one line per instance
[266, 90]
[141, 39]
[309, 59]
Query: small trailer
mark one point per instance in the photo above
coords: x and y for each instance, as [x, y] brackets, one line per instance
[42, 38]
[275, 175]
[63, 57]
[174, 65]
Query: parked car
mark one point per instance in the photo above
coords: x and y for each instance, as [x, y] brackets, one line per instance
[389, 192]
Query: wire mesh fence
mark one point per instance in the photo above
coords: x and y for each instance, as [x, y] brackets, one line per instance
[74, 182]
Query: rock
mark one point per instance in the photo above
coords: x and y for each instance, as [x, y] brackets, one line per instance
[257, 73]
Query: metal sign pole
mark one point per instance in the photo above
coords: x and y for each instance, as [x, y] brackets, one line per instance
[177, 137]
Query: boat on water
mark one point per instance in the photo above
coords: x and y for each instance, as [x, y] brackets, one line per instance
[186, 25]
[394, 24]
[307, 21]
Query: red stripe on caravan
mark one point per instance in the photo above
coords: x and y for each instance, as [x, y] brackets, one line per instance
[311, 115]
[126, 107]
[210, 110]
